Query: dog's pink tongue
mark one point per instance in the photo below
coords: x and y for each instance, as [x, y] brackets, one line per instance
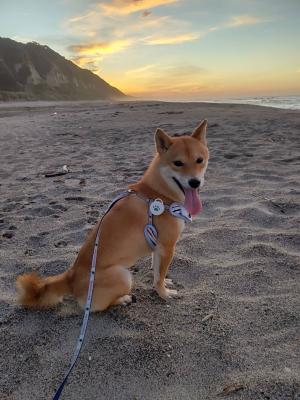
[192, 201]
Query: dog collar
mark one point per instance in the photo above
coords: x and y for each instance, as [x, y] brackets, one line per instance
[156, 207]
[176, 209]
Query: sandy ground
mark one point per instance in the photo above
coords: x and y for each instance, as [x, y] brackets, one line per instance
[234, 333]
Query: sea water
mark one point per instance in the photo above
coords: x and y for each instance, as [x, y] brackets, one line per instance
[287, 102]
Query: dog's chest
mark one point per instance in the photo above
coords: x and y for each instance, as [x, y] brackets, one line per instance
[181, 225]
[169, 228]
[176, 227]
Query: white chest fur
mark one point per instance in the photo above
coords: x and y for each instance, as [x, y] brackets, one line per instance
[181, 225]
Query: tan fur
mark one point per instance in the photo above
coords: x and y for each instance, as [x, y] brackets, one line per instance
[122, 240]
[42, 292]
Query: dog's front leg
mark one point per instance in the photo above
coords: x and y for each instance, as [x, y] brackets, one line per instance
[161, 260]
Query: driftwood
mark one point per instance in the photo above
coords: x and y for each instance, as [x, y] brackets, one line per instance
[65, 170]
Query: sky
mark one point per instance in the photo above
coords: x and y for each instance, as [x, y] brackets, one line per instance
[170, 49]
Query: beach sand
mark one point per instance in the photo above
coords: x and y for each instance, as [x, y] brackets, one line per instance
[234, 333]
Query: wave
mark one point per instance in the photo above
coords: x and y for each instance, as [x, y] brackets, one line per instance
[286, 102]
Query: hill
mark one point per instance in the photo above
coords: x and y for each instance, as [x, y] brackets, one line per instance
[36, 72]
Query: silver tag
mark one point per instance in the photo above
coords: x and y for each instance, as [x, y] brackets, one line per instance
[157, 207]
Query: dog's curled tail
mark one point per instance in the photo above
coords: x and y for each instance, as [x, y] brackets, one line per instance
[38, 292]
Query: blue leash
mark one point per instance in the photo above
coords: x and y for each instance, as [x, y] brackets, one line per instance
[85, 319]
[87, 308]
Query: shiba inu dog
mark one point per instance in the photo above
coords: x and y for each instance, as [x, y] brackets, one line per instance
[176, 174]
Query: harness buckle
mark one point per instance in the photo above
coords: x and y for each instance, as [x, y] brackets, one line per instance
[179, 211]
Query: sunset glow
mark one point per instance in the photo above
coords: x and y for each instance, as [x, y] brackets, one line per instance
[181, 49]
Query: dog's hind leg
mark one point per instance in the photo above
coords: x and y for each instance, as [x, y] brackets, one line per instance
[112, 287]
[123, 301]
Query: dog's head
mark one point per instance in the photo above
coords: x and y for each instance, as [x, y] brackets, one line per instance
[182, 164]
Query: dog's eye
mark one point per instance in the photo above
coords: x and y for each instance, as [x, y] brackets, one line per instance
[199, 160]
[178, 163]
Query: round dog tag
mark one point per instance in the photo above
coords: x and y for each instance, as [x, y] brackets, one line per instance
[157, 207]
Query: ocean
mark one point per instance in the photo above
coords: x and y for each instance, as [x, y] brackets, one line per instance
[286, 102]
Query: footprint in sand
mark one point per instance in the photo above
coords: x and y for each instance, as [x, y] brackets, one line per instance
[8, 235]
[75, 198]
[29, 252]
[61, 243]
[230, 156]
[283, 208]
[59, 207]
[41, 211]
[290, 160]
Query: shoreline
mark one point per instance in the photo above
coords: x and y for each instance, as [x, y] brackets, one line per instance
[237, 102]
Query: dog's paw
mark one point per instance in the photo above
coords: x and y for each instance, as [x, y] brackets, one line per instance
[165, 293]
[169, 282]
[124, 300]
[171, 293]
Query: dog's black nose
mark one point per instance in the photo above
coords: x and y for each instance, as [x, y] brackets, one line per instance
[194, 183]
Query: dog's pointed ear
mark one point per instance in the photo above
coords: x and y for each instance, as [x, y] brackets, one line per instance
[162, 140]
[200, 132]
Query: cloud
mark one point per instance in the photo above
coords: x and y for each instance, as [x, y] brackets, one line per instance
[90, 63]
[125, 7]
[158, 79]
[158, 71]
[119, 32]
[235, 22]
[79, 18]
[163, 40]
[95, 24]
[240, 20]
[182, 71]
[89, 55]
[90, 24]
[141, 71]
[101, 48]
[153, 22]
[146, 13]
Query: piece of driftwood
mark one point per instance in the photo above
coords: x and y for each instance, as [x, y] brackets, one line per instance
[65, 170]
[58, 173]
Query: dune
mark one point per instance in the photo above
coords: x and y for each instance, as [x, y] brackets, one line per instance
[234, 331]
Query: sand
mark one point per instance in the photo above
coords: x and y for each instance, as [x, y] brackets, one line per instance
[234, 333]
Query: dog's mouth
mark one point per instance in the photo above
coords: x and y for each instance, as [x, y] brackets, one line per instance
[178, 184]
[192, 201]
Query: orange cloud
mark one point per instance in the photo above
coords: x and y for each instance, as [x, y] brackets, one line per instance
[185, 37]
[101, 48]
[131, 6]
[142, 71]
[87, 62]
